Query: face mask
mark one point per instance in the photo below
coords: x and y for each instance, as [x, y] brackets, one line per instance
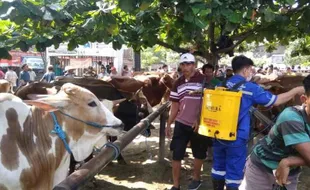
[249, 77]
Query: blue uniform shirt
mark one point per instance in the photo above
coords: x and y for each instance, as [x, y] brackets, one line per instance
[24, 75]
[252, 94]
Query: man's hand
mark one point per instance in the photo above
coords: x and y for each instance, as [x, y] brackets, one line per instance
[196, 126]
[300, 90]
[168, 131]
[282, 173]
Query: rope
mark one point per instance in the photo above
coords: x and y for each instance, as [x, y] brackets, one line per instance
[61, 134]
[93, 124]
[117, 150]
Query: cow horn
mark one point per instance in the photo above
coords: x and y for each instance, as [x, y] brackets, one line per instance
[37, 96]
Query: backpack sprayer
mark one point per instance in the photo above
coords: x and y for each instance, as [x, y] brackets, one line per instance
[220, 112]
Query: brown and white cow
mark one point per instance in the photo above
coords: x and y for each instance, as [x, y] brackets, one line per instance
[4, 86]
[34, 158]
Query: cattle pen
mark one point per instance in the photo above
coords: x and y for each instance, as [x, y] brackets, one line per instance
[78, 178]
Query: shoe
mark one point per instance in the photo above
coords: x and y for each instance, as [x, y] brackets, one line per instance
[194, 185]
[174, 188]
[218, 184]
[232, 188]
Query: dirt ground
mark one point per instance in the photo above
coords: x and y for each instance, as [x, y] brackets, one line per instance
[143, 172]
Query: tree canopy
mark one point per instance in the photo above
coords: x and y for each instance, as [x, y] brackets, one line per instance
[208, 28]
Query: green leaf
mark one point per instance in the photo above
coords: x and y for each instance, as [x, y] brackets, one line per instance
[72, 45]
[127, 5]
[290, 2]
[4, 54]
[23, 46]
[235, 17]
[189, 16]
[269, 15]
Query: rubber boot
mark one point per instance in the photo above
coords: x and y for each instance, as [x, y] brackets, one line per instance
[218, 184]
[232, 188]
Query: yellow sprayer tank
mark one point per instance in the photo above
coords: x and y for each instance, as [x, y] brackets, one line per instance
[219, 113]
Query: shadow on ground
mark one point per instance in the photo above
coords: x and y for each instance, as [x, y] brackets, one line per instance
[143, 172]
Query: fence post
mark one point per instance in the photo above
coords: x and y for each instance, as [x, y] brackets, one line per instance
[162, 135]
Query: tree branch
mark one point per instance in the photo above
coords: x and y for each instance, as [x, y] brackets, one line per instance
[178, 49]
[236, 44]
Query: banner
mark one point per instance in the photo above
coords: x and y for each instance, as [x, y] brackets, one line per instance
[80, 62]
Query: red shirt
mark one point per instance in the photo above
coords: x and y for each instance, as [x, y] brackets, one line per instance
[1, 74]
[190, 105]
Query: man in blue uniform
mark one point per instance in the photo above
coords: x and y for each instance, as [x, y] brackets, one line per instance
[229, 157]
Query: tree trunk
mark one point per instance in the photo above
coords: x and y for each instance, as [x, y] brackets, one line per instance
[137, 59]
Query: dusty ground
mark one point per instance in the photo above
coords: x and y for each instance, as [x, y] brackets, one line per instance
[143, 172]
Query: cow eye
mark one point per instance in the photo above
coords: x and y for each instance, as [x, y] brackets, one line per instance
[92, 104]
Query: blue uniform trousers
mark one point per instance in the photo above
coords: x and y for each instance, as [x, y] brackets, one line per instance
[229, 159]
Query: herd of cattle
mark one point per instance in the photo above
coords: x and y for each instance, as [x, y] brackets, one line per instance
[28, 149]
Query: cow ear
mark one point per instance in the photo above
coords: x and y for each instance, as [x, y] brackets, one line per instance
[42, 105]
[115, 102]
[70, 89]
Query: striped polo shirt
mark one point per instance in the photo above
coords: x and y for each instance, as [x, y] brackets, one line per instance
[290, 129]
[190, 105]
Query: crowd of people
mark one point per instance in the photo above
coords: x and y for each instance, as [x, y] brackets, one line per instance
[27, 75]
[281, 152]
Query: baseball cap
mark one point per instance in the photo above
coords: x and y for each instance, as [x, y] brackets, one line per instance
[187, 58]
[229, 68]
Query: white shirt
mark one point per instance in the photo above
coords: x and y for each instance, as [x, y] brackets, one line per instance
[11, 76]
[102, 75]
[32, 75]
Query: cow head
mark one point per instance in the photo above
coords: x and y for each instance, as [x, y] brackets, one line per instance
[80, 103]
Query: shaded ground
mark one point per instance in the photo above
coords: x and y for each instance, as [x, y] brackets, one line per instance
[143, 172]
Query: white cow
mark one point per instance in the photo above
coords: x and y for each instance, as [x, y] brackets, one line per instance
[31, 156]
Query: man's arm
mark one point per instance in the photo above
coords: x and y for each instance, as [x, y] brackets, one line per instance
[283, 169]
[285, 97]
[174, 109]
[173, 113]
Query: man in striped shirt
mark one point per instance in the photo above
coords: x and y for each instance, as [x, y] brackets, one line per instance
[285, 148]
[185, 111]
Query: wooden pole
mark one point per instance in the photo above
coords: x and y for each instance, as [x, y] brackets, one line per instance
[162, 136]
[106, 155]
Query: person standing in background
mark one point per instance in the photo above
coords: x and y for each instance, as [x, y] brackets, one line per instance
[49, 76]
[102, 73]
[185, 111]
[24, 75]
[208, 71]
[69, 72]
[32, 74]
[113, 72]
[58, 69]
[126, 72]
[12, 77]
[1, 74]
